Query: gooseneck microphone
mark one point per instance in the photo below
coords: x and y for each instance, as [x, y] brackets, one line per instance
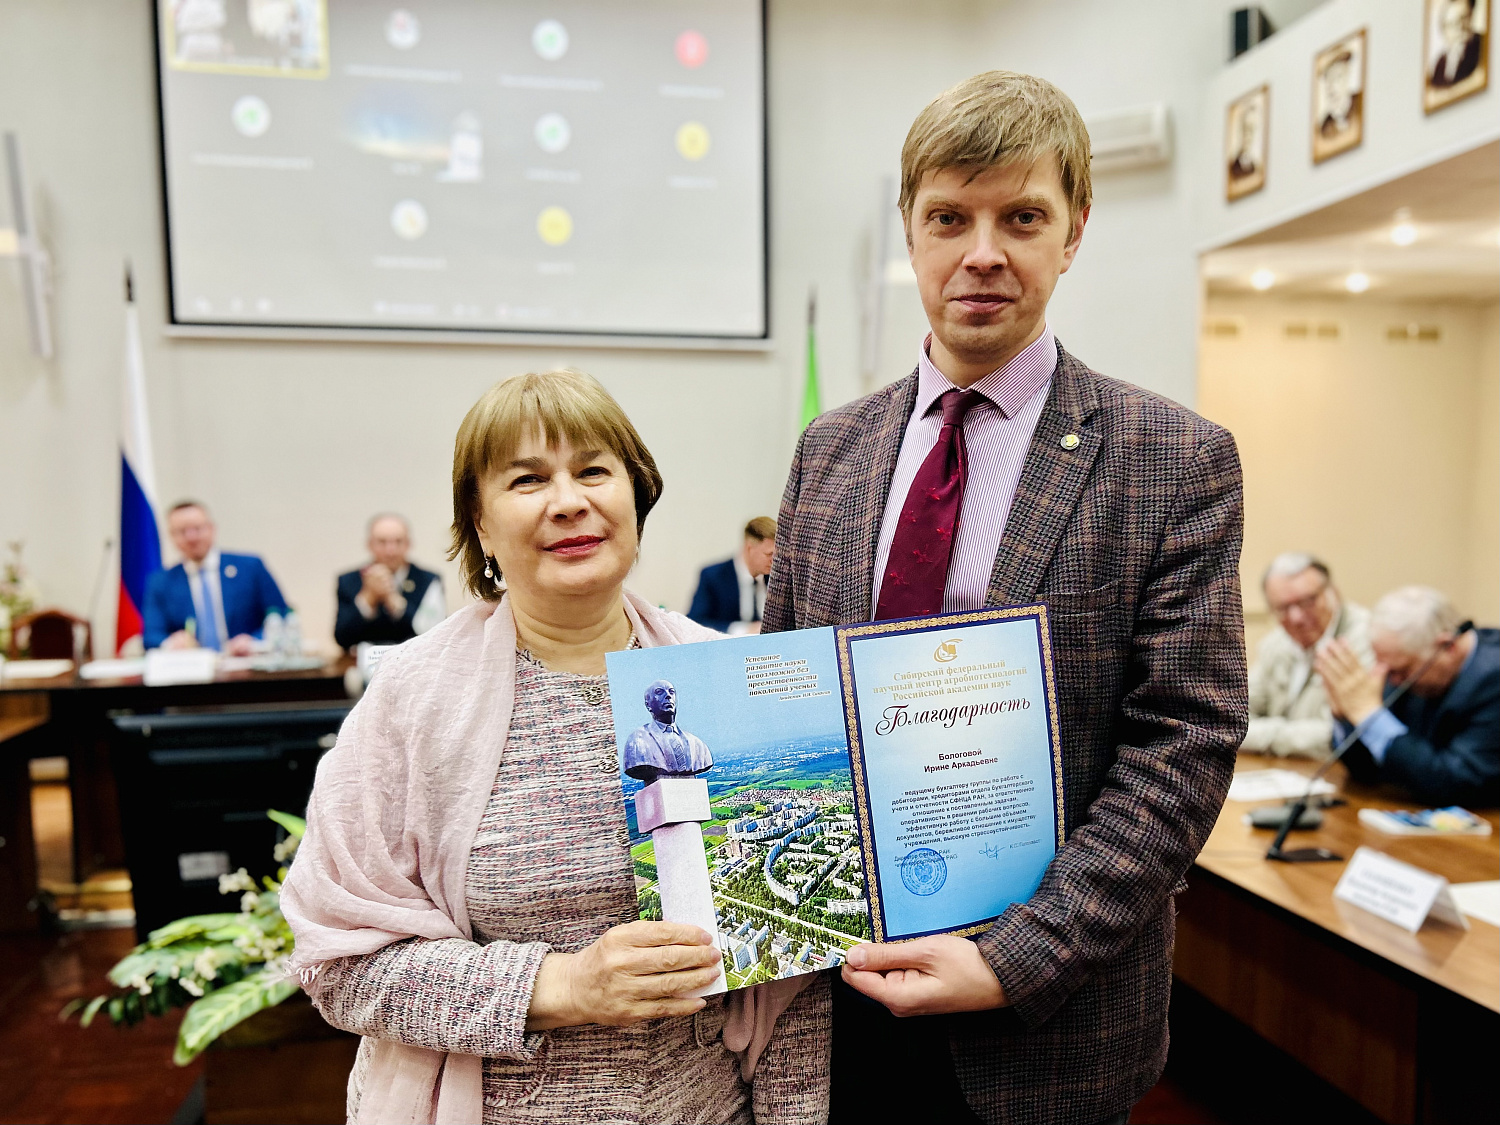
[1294, 813]
[99, 579]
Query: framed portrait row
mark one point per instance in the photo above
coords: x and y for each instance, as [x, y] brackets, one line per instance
[1455, 65]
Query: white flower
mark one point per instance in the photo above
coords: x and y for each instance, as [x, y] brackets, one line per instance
[191, 987]
[140, 984]
[278, 965]
[205, 966]
[175, 971]
[248, 902]
[239, 881]
[286, 849]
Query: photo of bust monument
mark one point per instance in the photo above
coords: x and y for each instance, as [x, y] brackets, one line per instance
[659, 747]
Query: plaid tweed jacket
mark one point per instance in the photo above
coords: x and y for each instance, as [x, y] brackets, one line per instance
[1132, 538]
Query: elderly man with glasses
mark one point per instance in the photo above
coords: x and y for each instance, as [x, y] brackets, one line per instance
[1289, 710]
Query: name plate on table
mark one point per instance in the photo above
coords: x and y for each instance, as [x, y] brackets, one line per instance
[879, 781]
[1397, 892]
[367, 658]
[166, 666]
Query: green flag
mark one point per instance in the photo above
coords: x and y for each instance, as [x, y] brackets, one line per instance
[812, 400]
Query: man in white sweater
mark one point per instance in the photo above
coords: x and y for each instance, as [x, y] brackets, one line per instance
[1289, 712]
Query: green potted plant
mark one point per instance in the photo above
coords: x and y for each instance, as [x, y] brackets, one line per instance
[17, 593]
[223, 967]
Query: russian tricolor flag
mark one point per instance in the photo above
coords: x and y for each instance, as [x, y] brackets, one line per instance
[140, 543]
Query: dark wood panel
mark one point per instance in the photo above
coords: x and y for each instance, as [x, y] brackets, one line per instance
[1466, 962]
[55, 1073]
[17, 846]
[1350, 1024]
[291, 1083]
[284, 1064]
[1395, 1020]
[77, 727]
[23, 715]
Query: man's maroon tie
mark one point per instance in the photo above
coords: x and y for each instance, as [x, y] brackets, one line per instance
[917, 569]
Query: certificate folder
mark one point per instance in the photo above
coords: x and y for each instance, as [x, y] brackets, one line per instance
[872, 782]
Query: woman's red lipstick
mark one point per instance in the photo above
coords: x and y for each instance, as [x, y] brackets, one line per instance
[577, 545]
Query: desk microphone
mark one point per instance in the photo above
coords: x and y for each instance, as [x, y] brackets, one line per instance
[1316, 855]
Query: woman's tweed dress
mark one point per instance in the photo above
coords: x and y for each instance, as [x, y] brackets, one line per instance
[549, 870]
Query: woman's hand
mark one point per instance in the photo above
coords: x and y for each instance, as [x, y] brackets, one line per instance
[639, 971]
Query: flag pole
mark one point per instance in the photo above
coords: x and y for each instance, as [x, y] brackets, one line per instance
[812, 399]
[139, 538]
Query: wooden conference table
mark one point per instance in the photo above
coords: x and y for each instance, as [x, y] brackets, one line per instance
[1403, 1023]
[68, 716]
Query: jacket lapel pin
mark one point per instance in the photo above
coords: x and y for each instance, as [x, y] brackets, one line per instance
[408, 585]
[231, 570]
[1069, 441]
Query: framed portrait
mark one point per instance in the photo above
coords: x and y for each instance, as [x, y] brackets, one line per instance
[1338, 109]
[1455, 51]
[1245, 150]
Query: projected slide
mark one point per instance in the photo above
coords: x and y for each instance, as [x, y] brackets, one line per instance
[583, 166]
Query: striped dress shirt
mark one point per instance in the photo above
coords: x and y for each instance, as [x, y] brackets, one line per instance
[997, 435]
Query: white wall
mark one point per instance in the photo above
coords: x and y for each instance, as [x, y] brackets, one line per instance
[1484, 515]
[1382, 457]
[295, 445]
[1399, 137]
[1129, 305]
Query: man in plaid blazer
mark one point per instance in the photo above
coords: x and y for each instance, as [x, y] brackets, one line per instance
[1030, 477]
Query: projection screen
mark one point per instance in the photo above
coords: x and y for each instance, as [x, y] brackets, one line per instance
[577, 167]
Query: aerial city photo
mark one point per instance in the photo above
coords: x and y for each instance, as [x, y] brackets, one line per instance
[784, 861]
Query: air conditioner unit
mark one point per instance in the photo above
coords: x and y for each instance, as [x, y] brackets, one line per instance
[20, 241]
[1125, 139]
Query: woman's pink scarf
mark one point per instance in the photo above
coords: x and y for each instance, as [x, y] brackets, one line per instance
[391, 824]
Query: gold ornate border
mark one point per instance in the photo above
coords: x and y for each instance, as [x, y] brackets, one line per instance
[843, 634]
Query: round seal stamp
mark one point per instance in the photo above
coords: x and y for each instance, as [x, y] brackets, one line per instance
[924, 871]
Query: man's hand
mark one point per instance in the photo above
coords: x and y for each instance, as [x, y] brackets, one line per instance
[242, 645]
[638, 971]
[378, 585]
[1354, 691]
[180, 639]
[926, 977]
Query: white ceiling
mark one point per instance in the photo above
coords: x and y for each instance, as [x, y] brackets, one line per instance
[1454, 207]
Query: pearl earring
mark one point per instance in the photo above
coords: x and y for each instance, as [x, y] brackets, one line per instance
[488, 573]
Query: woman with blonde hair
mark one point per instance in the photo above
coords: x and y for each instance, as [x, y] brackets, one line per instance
[464, 897]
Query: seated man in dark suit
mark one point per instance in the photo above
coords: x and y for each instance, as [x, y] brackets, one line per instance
[388, 600]
[1441, 741]
[210, 599]
[732, 594]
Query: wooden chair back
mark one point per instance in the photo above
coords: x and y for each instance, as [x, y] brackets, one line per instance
[51, 634]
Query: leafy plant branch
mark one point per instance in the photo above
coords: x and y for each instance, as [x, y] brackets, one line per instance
[222, 967]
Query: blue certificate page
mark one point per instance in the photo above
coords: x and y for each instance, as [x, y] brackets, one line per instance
[760, 721]
[955, 760]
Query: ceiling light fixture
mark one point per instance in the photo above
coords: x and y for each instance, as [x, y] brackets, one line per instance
[1262, 279]
[1357, 281]
[1404, 233]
